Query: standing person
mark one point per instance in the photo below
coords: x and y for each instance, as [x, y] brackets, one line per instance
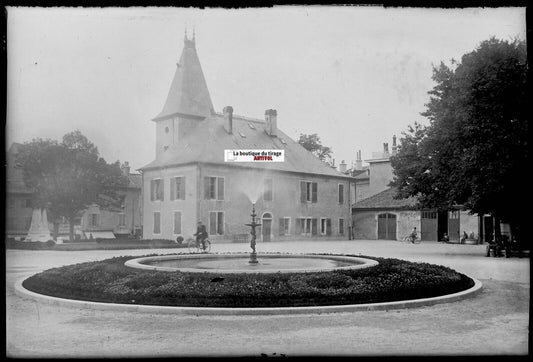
[201, 234]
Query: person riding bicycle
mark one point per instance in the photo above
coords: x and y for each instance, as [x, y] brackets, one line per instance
[201, 234]
[413, 235]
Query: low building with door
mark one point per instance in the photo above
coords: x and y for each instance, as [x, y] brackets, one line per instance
[382, 217]
[191, 180]
[377, 214]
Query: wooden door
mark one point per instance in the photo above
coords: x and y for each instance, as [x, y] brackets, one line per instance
[267, 225]
[428, 225]
[386, 226]
[453, 225]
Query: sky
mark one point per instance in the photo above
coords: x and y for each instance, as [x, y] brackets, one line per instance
[355, 75]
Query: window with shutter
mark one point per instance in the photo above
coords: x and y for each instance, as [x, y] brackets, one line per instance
[220, 223]
[303, 192]
[212, 223]
[315, 192]
[315, 227]
[220, 190]
[177, 188]
[308, 226]
[214, 188]
[206, 187]
[183, 189]
[152, 190]
[159, 190]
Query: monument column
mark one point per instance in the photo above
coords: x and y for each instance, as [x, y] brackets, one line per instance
[39, 230]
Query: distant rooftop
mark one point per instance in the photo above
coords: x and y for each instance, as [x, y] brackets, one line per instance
[386, 200]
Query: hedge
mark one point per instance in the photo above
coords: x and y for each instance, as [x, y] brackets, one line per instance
[110, 281]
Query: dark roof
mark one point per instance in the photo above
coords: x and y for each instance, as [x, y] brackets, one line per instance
[386, 200]
[188, 94]
[207, 142]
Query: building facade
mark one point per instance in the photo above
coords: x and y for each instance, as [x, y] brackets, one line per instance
[190, 179]
[124, 220]
[19, 204]
[93, 222]
[376, 214]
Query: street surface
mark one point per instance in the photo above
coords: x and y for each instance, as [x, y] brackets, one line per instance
[495, 322]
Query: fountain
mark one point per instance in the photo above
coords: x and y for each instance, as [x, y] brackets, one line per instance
[253, 225]
[238, 263]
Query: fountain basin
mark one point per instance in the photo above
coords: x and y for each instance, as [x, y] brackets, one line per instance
[238, 263]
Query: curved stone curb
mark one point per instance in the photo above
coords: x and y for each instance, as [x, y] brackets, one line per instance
[139, 263]
[23, 292]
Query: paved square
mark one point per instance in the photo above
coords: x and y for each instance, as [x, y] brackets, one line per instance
[493, 323]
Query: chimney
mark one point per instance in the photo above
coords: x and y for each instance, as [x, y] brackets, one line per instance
[342, 167]
[228, 119]
[358, 161]
[385, 150]
[394, 147]
[125, 168]
[271, 118]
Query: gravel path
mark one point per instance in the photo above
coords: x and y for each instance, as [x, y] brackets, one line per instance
[493, 323]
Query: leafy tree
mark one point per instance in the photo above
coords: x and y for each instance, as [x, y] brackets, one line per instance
[474, 151]
[312, 144]
[69, 176]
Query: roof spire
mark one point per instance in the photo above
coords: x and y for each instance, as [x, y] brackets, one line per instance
[188, 94]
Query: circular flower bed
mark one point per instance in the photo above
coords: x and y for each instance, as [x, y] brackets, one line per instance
[111, 281]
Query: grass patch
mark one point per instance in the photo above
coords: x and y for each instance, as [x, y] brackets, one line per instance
[110, 281]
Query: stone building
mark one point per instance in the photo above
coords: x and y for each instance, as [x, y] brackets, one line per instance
[95, 221]
[19, 205]
[121, 221]
[189, 180]
[376, 214]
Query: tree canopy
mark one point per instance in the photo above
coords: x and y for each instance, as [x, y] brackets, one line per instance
[68, 176]
[474, 150]
[313, 144]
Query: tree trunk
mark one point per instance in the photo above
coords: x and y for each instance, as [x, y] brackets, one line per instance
[56, 230]
[497, 228]
[71, 227]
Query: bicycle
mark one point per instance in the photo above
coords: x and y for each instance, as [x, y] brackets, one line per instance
[413, 239]
[196, 246]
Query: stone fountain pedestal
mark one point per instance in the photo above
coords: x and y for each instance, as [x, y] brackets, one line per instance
[39, 230]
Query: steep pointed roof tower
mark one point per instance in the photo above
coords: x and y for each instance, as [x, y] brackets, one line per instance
[188, 95]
